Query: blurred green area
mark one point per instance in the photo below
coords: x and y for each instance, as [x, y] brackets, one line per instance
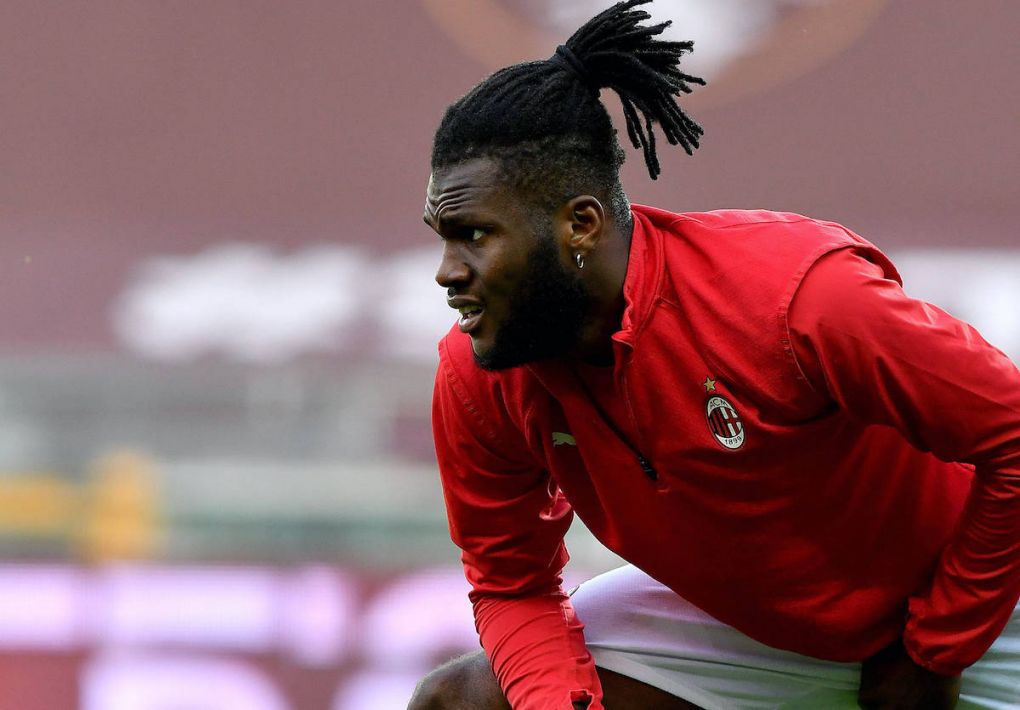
[106, 458]
[110, 458]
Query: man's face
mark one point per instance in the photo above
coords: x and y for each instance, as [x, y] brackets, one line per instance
[503, 267]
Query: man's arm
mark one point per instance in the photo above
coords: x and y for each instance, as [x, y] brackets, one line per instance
[509, 521]
[888, 359]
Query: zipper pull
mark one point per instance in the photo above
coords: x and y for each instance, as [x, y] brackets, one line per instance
[647, 467]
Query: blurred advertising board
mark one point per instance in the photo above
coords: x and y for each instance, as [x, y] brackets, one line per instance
[212, 637]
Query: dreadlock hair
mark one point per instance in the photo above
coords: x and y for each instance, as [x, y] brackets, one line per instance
[543, 122]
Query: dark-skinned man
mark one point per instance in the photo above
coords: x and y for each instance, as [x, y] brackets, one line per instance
[815, 478]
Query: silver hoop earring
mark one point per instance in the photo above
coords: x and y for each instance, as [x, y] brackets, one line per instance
[579, 258]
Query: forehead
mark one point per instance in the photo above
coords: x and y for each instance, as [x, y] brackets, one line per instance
[474, 183]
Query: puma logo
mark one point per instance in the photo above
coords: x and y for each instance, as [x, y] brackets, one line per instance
[560, 438]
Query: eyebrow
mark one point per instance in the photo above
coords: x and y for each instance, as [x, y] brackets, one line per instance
[454, 220]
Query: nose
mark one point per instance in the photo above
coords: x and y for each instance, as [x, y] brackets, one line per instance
[452, 269]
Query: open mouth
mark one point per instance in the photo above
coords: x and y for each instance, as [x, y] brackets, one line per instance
[469, 317]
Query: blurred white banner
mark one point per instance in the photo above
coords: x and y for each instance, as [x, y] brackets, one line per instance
[248, 304]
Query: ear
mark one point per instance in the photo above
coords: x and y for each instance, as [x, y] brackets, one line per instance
[580, 223]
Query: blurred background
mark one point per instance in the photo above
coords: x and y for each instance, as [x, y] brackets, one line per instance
[218, 319]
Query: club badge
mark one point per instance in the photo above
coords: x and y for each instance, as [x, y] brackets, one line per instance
[724, 422]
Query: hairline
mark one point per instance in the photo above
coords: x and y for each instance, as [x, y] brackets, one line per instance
[612, 196]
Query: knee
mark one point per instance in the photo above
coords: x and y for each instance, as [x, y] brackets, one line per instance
[433, 692]
[465, 682]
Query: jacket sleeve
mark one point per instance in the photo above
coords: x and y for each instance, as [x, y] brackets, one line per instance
[888, 359]
[509, 520]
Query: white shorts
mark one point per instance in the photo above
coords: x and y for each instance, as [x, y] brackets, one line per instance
[641, 629]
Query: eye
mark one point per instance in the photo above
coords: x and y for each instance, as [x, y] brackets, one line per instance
[472, 234]
[466, 233]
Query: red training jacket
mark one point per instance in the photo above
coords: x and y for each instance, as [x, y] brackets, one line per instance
[785, 439]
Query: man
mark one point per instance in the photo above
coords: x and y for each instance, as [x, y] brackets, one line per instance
[815, 478]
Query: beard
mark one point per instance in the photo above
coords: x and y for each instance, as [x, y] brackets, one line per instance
[545, 315]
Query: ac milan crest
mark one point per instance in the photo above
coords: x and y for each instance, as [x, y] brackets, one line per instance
[724, 422]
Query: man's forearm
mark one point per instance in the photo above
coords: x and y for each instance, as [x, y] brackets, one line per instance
[536, 646]
[977, 582]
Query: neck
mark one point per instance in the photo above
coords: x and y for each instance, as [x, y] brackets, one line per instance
[605, 276]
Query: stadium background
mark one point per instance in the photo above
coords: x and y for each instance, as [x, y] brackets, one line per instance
[217, 488]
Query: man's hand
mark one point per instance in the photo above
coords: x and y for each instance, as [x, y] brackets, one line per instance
[890, 680]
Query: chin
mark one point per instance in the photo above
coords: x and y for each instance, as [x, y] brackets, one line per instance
[489, 357]
[502, 358]
[487, 360]
[480, 349]
[504, 350]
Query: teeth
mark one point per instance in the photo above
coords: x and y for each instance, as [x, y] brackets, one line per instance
[469, 310]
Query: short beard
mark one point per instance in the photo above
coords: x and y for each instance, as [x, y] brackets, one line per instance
[545, 315]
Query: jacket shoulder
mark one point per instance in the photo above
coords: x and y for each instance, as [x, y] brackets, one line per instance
[758, 242]
[759, 224]
[732, 275]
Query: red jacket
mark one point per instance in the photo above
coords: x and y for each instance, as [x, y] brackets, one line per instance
[775, 442]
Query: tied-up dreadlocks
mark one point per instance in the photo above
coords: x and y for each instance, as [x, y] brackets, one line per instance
[613, 51]
[544, 123]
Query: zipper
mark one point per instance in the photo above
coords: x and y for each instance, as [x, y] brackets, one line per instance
[643, 462]
[647, 467]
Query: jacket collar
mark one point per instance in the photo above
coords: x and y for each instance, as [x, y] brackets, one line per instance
[643, 281]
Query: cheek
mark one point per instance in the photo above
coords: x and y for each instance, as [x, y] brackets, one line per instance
[500, 275]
